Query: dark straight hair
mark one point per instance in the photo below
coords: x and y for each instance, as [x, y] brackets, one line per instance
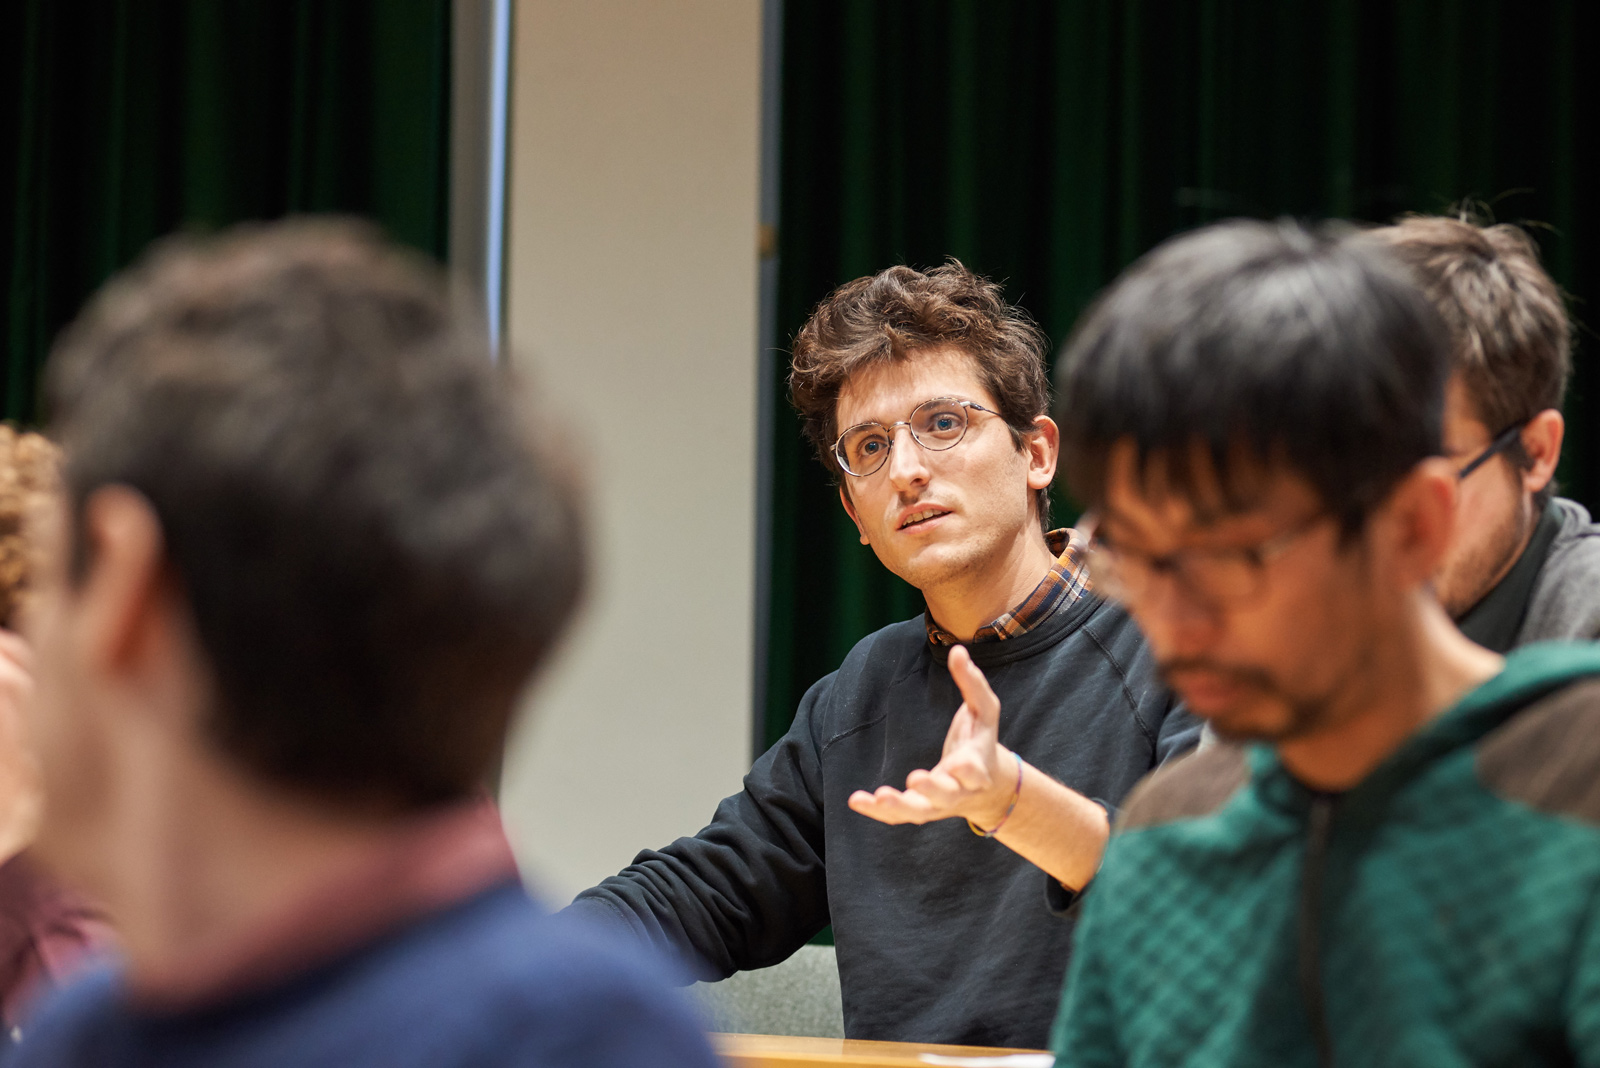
[1304, 347]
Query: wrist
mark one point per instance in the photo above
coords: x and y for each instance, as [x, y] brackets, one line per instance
[999, 802]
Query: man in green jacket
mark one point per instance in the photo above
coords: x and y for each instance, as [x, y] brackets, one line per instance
[1393, 858]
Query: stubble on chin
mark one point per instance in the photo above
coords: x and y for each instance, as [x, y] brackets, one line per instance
[1299, 720]
[1468, 580]
[1272, 715]
[943, 564]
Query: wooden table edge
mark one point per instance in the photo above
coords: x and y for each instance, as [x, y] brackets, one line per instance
[790, 1051]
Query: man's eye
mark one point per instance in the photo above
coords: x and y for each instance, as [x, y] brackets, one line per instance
[944, 423]
[871, 447]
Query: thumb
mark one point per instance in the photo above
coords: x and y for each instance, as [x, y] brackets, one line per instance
[981, 700]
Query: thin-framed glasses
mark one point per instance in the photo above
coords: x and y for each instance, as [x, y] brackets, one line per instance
[1221, 577]
[936, 425]
[1501, 442]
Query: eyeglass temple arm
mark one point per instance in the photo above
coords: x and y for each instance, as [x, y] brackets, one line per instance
[1497, 446]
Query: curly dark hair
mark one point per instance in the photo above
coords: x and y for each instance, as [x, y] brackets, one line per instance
[901, 311]
[30, 473]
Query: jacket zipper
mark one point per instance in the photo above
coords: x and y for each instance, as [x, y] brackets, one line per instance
[1318, 824]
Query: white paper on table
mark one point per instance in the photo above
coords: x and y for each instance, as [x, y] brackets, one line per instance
[1007, 1060]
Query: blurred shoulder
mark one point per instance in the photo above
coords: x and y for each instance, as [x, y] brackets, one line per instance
[571, 987]
[1547, 756]
[879, 661]
[75, 1025]
[1190, 787]
[890, 647]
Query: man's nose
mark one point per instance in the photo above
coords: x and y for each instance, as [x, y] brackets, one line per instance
[908, 461]
[1176, 621]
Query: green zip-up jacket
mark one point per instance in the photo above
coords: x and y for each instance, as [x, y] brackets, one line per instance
[1442, 912]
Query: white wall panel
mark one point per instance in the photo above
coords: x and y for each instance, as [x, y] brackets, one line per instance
[632, 293]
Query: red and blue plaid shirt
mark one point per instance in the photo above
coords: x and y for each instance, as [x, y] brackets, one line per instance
[1067, 581]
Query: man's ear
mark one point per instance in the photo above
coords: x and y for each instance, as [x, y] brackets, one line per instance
[121, 588]
[1043, 445]
[850, 510]
[1420, 516]
[1541, 440]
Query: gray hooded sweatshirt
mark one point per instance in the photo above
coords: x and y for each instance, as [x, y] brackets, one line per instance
[1552, 592]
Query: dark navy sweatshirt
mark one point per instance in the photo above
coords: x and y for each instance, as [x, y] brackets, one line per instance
[492, 981]
[942, 936]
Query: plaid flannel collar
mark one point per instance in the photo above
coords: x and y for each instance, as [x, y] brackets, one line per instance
[1067, 581]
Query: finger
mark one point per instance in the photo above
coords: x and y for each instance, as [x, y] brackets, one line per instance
[939, 790]
[15, 680]
[975, 690]
[15, 647]
[942, 789]
[891, 806]
[869, 805]
[960, 732]
[966, 770]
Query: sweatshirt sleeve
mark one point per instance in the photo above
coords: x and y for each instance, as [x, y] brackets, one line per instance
[750, 888]
[1179, 731]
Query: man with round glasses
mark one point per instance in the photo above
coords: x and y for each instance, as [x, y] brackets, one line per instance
[1524, 564]
[926, 394]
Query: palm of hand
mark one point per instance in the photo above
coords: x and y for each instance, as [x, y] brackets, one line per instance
[966, 781]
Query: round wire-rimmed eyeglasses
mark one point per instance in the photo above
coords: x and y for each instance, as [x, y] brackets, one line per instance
[936, 425]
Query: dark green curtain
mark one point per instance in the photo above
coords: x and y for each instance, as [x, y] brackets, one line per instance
[1047, 143]
[122, 120]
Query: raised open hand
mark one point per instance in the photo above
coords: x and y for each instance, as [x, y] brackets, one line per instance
[976, 776]
[21, 795]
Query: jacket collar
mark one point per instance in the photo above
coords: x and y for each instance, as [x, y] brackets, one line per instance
[1530, 673]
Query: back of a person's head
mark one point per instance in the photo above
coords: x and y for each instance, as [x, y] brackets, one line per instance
[1508, 323]
[1296, 347]
[376, 542]
[1509, 331]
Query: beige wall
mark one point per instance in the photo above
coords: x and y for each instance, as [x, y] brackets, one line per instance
[632, 294]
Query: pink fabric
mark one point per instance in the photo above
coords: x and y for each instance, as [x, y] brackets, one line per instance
[424, 865]
[47, 933]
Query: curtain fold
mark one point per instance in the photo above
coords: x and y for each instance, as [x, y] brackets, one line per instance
[123, 120]
[1047, 143]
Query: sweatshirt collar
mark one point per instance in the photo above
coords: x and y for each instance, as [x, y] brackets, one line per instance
[1066, 582]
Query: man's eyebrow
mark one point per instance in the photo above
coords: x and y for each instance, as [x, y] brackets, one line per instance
[1200, 523]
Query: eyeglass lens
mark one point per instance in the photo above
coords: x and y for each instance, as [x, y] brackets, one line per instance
[936, 425]
[1218, 578]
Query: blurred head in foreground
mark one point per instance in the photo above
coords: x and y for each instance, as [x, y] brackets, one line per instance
[1511, 346]
[1253, 411]
[313, 544]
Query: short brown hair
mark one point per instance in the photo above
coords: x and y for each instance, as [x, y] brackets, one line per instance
[900, 311]
[1509, 332]
[29, 475]
[376, 536]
